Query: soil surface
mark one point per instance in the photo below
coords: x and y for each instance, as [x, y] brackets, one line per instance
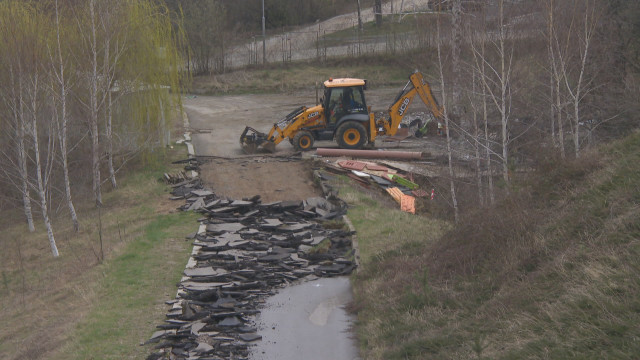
[216, 123]
[273, 180]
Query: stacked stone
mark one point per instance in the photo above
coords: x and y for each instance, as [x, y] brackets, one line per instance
[243, 252]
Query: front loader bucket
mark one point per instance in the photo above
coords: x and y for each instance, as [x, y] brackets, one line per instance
[251, 140]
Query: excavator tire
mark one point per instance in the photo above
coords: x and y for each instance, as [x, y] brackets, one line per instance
[351, 135]
[303, 141]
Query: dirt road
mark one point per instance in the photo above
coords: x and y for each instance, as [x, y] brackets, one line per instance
[313, 322]
[303, 40]
[218, 121]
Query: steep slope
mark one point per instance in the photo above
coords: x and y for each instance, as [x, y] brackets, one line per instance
[552, 272]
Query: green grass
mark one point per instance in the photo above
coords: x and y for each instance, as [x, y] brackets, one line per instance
[382, 227]
[132, 291]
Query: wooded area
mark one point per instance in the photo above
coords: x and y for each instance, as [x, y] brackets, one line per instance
[84, 86]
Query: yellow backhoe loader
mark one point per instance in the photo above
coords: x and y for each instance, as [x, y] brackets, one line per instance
[343, 115]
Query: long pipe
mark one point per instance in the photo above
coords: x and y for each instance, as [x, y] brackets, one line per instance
[371, 154]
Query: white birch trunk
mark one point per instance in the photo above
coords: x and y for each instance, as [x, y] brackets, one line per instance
[559, 114]
[40, 179]
[93, 126]
[504, 82]
[576, 96]
[552, 117]
[62, 128]
[19, 118]
[109, 135]
[476, 146]
[492, 196]
[485, 117]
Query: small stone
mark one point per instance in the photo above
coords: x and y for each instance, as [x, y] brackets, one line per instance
[203, 348]
[196, 327]
[230, 321]
[226, 227]
[250, 337]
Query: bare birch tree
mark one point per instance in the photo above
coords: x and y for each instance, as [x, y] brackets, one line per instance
[27, 33]
[497, 83]
[479, 74]
[456, 44]
[581, 86]
[60, 91]
[445, 115]
[43, 166]
[93, 105]
[101, 53]
[13, 84]
[556, 51]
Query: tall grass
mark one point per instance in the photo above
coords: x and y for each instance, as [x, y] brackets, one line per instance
[551, 272]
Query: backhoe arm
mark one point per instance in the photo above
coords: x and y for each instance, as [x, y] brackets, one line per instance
[398, 109]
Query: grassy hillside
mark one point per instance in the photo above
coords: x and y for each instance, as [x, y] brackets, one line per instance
[276, 78]
[82, 305]
[552, 272]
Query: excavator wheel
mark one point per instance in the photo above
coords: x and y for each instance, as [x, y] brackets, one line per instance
[351, 135]
[303, 141]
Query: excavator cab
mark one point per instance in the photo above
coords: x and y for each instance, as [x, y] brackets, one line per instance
[341, 101]
[344, 103]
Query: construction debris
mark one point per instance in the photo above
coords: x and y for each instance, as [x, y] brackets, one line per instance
[244, 251]
[365, 173]
[407, 203]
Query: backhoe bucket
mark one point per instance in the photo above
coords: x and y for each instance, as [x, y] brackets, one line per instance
[251, 140]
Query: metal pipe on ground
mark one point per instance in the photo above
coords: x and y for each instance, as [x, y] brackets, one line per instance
[370, 154]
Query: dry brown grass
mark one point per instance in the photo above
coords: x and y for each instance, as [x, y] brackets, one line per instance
[551, 272]
[294, 77]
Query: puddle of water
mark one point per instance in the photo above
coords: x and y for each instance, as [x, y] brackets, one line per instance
[307, 321]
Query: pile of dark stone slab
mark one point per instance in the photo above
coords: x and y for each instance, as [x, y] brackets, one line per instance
[243, 252]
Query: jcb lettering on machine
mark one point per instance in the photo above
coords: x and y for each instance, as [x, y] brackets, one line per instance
[404, 105]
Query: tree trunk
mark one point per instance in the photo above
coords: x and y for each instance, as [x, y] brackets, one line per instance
[19, 118]
[559, 113]
[22, 160]
[360, 26]
[456, 41]
[589, 26]
[377, 9]
[446, 124]
[492, 197]
[504, 81]
[552, 117]
[93, 126]
[109, 135]
[62, 128]
[476, 146]
[40, 179]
